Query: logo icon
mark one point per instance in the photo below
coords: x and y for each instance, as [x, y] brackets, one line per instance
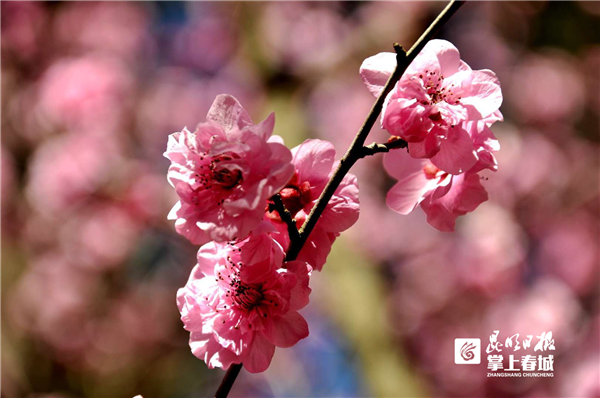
[467, 351]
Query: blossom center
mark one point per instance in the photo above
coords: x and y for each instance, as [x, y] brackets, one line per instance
[433, 82]
[227, 178]
[247, 297]
[213, 173]
[223, 176]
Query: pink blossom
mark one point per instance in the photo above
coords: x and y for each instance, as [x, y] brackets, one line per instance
[442, 196]
[238, 304]
[224, 172]
[314, 162]
[435, 95]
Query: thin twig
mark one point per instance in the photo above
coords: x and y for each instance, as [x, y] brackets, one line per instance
[285, 216]
[375, 147]
[355, 152]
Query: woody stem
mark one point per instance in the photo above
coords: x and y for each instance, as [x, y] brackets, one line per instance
[285, 216]
[382, 148]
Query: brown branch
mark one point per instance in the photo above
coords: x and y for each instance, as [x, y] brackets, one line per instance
[285, 216]
[355, 152]
[382, 148]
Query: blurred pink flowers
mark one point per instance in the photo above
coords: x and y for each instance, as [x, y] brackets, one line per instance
[91, 93]
[224, 172]
[435, 95]
[559, 98]
[314, 162]
[239, 304]
[57, 182]
[303, 37]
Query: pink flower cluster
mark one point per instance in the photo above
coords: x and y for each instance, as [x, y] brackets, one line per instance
[242, 299]
[444, 110]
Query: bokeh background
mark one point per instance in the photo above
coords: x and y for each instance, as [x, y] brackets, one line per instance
[90, 265]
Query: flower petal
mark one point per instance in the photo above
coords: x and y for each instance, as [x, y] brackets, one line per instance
[317, 248]
[426, 148]
[285, 331]
[447, 54]
[439, 217]
[300, 293]
[261, 256]
[343, 208]
[457, 153]
[264, 129]
[208, 256]
[227, 111]
[313, 160]
[376, 70]
[412, 181]
[466, 194]
[482, 96]
[190, 230]
[259, 356]
[206, 348]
